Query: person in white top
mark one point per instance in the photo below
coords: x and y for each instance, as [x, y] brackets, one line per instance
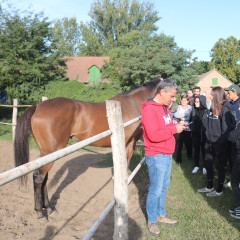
[183, 114]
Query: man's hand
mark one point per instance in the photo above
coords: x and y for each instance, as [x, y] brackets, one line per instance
[181, 126]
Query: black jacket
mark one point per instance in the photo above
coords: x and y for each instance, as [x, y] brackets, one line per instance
[218, 127]
[197, 117]
[234, 136]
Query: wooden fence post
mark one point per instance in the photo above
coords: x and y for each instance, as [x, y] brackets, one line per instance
[14, 117]
[115, 122]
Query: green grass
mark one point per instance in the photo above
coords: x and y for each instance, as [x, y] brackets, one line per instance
[6, 117]
[200, 217]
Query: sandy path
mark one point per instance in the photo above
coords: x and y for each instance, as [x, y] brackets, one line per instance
[79, 189]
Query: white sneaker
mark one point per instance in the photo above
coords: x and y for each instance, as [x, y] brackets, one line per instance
[227, 185]
[205, 190]
[195, 170]
[204, 171]
[214, 194]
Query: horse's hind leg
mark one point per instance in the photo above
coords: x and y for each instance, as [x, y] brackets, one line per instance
[45, 199]
[40, 177]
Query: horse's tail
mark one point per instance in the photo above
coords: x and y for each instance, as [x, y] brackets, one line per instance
[21, 143]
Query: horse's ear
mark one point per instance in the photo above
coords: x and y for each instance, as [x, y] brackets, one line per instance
[164, 76]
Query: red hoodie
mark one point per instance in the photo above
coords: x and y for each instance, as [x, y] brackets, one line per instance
[158, 129]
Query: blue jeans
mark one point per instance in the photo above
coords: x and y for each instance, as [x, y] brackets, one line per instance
[159, 168]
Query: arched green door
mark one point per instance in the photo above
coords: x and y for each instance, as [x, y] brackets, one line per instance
[94, 74]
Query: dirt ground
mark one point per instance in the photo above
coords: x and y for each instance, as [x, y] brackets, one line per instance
[79, 189]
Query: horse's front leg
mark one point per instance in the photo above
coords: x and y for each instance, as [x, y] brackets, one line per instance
[130, 149]
[131, 145]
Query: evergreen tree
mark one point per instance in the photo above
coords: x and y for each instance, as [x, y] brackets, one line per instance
[200, 67]
[28, 57]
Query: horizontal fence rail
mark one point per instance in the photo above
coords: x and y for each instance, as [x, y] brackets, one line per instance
[26, 168]
[12, 106]
[132, 121]
[4, 123]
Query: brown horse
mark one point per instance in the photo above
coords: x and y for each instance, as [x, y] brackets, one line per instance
[54, 121]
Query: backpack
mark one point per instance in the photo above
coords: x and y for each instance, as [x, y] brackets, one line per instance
[216, 129]
[212, 126]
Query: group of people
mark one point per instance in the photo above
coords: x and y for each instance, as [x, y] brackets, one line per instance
[213, 130]
[191, 110]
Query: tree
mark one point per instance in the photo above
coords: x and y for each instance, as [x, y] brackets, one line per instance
[28, 57]
[200, 67]
[149, 57]
[67, 37]
[226, 57]
[112, 19]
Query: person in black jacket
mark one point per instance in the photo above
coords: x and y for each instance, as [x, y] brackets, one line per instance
[199, 109]
[233, 93]
[234, 137]
[218, 124]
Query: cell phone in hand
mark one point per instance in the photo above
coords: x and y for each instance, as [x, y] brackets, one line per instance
[189, 123]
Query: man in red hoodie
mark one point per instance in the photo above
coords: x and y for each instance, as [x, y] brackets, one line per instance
[159, 142]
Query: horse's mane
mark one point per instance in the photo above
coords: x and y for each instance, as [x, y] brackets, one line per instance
[152, 84]
[149, 85]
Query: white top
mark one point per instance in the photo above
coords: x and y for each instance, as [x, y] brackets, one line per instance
[184, 114]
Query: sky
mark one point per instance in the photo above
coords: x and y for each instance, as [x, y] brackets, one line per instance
[194, 24]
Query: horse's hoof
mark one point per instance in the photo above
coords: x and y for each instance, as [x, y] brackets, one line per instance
[53, 213]
[43, 219]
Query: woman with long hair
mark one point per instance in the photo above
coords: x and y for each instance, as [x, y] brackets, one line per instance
[218, 123]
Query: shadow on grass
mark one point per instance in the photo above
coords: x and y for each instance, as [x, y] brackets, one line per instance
[220, 204]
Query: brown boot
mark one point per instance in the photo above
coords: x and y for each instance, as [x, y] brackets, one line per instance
[165, 220]
[153, 229]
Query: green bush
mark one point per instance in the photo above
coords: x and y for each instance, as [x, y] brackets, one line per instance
[76, 90]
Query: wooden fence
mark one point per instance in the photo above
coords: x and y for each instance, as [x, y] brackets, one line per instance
[15, 107]
[121, 179]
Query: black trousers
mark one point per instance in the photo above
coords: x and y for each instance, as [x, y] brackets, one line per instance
[235, 176]
[199, 144]
[220, 152]
[183, 138]
[231, 154]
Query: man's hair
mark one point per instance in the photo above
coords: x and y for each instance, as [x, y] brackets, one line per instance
[166, 84]
[197, 87]
[190, 90]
